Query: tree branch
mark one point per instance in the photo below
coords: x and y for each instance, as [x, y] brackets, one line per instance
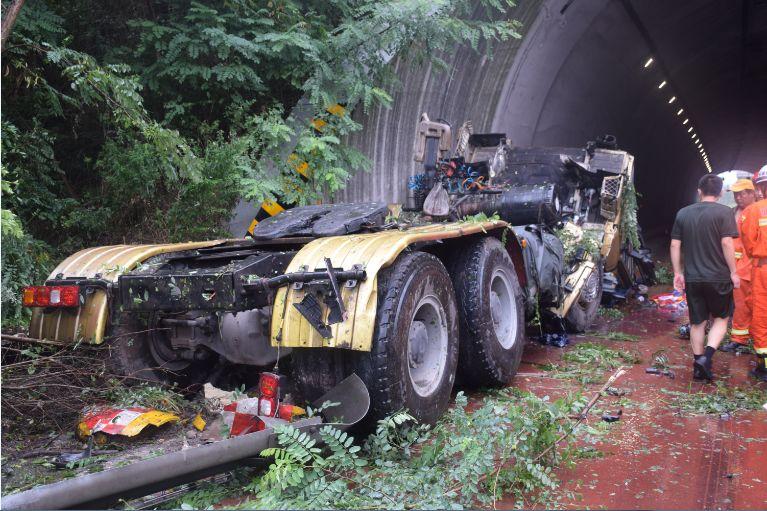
[9, 19]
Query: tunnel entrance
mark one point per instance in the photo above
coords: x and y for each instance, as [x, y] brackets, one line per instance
[680, 84]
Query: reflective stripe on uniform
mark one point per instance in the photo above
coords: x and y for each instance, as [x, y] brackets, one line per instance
[738, 255]
[763, 222]
[739, 332]
[761, 351]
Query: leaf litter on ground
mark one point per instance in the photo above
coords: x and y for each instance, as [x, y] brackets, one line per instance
[724, 399]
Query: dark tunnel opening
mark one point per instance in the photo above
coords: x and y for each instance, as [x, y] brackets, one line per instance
[579, 72]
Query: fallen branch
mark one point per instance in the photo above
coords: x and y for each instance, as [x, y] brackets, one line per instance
[23, 338]
[618, 373]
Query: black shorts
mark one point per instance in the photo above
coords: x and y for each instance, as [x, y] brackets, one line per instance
[709, 299]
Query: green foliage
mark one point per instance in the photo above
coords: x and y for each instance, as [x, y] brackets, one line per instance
[146, 121]
[725, 398]
[589, 242]
[629, 223]
[611, 313]
[480, 218]
[615, 335]
[146, 395]
[24, 259]
[663, 274]
[588, 362]
[500, 450]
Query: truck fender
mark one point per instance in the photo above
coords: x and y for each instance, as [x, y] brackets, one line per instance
[88, 322]
[372, 251]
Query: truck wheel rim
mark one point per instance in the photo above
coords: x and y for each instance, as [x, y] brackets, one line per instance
[503, 309]
[590, 289]
[427, 346]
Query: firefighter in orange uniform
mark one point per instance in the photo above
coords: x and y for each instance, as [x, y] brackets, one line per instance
[745, 195]
[754, 237]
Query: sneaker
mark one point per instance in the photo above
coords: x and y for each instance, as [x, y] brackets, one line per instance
[697, 373]
[731, 347]
[702, 366]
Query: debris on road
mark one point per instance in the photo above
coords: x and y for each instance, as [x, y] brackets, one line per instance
[198, 422]
[617, 392]
[612, 417]
[121, 421]
[256, 413]
[674, 302]
[559, 340]
[218, 396]
[660, 372]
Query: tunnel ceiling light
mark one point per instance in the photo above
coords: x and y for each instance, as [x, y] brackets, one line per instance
[693, 135]
[662, 84]
[679, 112]
[689, 129]
[673, 98]
[685, 121]
[649, 62]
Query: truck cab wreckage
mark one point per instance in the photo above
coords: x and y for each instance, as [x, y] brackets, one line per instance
[410, 302]
[366, 305]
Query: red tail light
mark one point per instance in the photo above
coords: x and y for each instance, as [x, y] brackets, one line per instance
[269, 394]
[269, 385]
[51, 296]
[65, 296]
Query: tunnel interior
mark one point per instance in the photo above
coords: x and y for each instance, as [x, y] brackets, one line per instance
[582, 68]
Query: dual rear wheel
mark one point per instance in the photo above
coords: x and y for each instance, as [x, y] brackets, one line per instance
[429, 328]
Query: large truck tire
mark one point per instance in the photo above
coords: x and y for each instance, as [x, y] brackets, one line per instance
[140, 354]
[491, 314]
[412, 362]
[584, 311]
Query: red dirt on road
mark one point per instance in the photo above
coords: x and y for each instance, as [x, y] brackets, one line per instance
[654, 457]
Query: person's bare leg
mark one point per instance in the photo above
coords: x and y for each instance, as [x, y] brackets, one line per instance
[698, 338]
[717, 332]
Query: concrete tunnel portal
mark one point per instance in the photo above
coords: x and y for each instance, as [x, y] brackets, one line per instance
[582, 69]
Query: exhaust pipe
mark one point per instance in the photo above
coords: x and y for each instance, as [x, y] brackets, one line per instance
[105, 489]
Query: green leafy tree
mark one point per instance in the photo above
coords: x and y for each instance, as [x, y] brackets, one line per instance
[145, 121]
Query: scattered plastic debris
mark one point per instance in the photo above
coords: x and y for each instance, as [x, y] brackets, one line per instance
[198, 422]
[684, 331]
[560, 340]
[660, 372]
[612, 417]
[617, 392]
[121, 421]
[65, 459]
[255, 413]
[222, 397]
[671, 302]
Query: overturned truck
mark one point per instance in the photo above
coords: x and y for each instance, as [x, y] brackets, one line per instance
[502, 236]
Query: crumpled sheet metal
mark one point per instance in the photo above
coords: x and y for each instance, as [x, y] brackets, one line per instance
[122, 421]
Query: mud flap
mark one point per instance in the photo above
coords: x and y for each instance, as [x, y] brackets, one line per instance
[353, 401]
